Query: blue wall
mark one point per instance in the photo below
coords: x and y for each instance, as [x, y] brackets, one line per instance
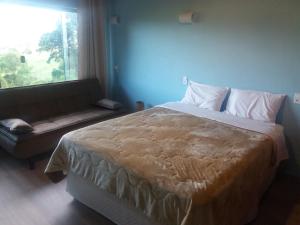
[237, 43]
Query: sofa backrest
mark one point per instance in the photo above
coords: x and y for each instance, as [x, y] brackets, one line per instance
[39, 102]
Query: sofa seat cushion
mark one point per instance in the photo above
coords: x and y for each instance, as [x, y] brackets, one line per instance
[62, 122]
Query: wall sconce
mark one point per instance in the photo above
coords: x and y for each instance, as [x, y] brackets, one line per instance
[188, 17]
[115, 20]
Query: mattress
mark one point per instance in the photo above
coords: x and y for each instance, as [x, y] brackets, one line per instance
[175, 168]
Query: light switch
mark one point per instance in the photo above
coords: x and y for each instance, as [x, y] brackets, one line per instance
[297, 98]
[185, 80]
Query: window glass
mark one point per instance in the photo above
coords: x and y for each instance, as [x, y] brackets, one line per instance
[37, 45]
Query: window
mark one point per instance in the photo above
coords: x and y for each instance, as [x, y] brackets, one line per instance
[37, 45]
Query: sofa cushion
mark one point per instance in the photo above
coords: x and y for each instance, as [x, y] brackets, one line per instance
[35, 103]
[61, 122]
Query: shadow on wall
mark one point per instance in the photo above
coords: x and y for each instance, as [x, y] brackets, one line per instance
[290, 121]
[123, 96]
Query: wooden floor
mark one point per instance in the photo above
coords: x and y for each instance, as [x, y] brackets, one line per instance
[29, 198]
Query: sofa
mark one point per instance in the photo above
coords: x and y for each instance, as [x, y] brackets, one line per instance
[52, 110]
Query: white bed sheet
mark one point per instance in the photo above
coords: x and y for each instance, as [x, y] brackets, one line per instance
[274, 131]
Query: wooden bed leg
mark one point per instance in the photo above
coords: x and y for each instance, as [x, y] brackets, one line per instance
[31, 164]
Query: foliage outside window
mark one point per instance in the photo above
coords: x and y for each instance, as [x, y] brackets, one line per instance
[37, 46]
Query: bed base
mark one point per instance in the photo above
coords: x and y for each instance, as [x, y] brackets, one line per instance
[105, 203]
[114, 209]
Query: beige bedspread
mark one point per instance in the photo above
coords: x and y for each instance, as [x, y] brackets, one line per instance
[176, 168]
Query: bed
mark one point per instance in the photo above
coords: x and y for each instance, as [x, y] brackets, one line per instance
[174, 164]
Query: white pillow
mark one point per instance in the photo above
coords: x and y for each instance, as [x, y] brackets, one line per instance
[254, 105]
[205, 96]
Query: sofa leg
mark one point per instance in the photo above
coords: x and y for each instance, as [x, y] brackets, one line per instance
[31, 164]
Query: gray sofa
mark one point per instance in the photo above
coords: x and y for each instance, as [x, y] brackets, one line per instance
[52, 110]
